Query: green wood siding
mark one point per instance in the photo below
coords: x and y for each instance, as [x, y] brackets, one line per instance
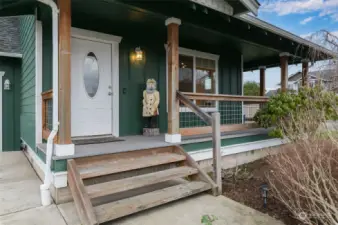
[45, 16]
[225, 142]
[27, 95]
[133, 76]
[11, 104]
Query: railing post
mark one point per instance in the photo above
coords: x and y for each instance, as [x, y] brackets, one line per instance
[216, 150]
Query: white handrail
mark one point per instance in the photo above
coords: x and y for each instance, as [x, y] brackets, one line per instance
[44, 188]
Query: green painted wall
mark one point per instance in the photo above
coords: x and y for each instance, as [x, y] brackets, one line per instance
[225, 142]
[11, 104]
[133, 76]
[27, 94]
[45, 16]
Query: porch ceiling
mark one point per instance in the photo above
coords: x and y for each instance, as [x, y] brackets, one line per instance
[212, 32]
[16, 7]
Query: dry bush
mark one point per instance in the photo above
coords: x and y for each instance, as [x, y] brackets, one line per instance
[305, 172]
[304, 178]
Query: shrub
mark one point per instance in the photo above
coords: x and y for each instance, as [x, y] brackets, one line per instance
[283, 108]
[305, 171]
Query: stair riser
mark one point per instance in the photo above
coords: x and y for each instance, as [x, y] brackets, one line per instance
[84, 162]
[130, 183]
[133, 205]
[118, 176]
[130, 164]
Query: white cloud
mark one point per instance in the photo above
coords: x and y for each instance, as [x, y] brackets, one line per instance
[285, 7]
[306, 20]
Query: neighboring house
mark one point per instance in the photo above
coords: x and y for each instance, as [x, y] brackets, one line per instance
[10, 80]
[325, 78]
[271, 93]
[84, 65]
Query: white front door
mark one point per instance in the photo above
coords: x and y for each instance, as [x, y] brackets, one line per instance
[91, 88]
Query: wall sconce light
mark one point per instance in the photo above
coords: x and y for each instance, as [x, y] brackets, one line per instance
[138, 54]
[7, 85]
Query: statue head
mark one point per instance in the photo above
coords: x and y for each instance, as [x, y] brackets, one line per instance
[151, 85]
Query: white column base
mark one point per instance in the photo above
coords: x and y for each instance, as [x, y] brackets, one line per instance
[60, 179]
[173, 138]
[64, 150]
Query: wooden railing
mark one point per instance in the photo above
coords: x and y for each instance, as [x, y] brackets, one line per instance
[213, 122]
[47, 113]
[229, 106]
[228, 98]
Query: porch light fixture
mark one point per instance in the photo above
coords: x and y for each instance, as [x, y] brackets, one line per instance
[7, 85]
[138, 54]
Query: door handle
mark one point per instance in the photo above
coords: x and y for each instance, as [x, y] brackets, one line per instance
[110, 93]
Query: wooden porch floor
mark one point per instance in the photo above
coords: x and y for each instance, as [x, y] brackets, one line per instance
[139, 142]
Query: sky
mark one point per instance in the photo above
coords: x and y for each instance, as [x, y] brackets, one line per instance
[301, 17]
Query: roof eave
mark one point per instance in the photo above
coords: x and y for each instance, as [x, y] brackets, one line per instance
[283, 33]
[251, 5]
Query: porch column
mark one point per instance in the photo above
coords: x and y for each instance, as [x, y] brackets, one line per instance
[305, 71]
[284, 57]
[262, 80]
[65, 146]
[173, 135]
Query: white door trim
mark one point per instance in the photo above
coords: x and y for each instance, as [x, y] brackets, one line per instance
[114, 42]
[38, 82]
[2, 73]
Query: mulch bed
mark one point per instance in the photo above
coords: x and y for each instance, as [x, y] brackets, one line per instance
[246, 190]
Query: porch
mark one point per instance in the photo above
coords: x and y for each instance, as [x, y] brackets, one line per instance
[124, 111]
[139, 142]
[91, 84]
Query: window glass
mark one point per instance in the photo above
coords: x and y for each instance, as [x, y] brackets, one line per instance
[91, 74]
[186, 73]
[205, 79]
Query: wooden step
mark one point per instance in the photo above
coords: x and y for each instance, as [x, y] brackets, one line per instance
[127, 164]
[112, 187]
[117, 209]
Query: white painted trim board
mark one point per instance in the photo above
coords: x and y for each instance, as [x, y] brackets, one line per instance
[1, 108]
[38, 82]
[235, 149]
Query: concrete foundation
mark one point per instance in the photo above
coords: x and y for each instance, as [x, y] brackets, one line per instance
[231, 161]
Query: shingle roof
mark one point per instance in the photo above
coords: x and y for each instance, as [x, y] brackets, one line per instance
[9, 35]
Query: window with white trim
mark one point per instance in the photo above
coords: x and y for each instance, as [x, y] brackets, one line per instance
[198, 73]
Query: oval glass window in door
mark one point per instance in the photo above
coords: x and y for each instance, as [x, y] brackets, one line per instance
[91, 74]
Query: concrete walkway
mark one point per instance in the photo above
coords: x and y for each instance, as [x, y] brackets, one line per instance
[20, 204]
